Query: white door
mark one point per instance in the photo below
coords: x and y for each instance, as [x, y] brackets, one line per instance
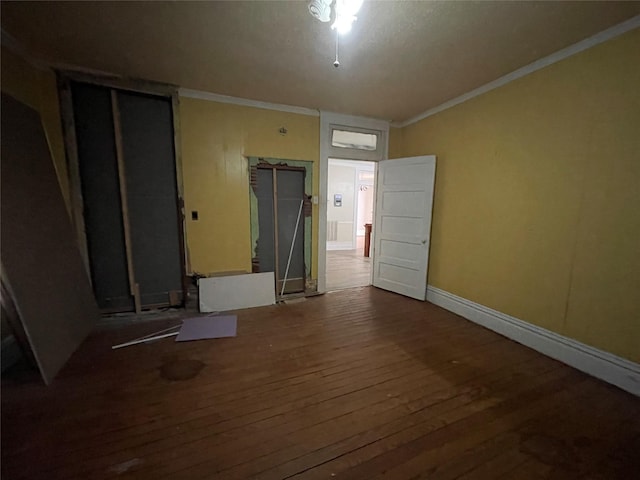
[402, 227]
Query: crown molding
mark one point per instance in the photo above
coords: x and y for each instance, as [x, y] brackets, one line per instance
[347, 120]
[215, 97]
[567, 52]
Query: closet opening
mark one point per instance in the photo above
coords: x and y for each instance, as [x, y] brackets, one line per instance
[281, 223]
[126, 204]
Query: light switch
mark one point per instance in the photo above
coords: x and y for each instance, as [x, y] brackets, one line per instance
[194, 215]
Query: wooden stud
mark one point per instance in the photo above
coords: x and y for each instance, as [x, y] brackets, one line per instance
[174, 298]
[73, 168]
[134, 288]
[121, 83]
[77, 203]
[185, 264]
[275, 228]
[136, 298]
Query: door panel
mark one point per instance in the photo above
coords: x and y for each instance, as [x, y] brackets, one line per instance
[290, 193]
[402, 225]
[266, 242]
[101, 194]
[148, 150]
[279, 192]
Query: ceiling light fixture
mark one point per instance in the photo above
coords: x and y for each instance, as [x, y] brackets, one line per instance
[321, 9]
[344, 14]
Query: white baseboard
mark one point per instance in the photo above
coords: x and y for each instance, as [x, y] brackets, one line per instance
[10, 352]
[618, 371]
[340, 246]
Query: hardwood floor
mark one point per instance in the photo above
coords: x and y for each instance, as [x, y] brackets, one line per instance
[356, 384]
[348, 268]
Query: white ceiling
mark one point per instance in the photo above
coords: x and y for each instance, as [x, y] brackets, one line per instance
[400, 59]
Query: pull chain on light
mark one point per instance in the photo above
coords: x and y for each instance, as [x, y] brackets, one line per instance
[337, 62]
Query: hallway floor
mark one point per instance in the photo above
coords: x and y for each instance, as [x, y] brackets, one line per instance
[348, 268]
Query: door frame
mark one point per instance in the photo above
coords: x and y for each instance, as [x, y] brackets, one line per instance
[329, 121]
[64, 79]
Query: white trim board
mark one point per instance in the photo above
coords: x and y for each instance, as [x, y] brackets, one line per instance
[215, 97]
[336, 246]
[617, 371]
[605, 35]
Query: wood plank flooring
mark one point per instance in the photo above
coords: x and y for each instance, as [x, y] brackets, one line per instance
[348, 268]
[356, 384]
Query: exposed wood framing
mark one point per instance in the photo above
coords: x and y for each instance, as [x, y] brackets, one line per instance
[174, 298]
[185, 264]
[275, 225]
[65, 77]
[73, 168]
[307, 284]
[279, 166]
[134, 288]
[122, 83]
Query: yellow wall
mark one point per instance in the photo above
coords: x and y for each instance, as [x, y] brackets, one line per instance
[537, 202]
[37, 88]
[216, 139]
[395, 142]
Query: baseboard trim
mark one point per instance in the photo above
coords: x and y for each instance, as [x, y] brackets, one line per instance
[10, 352]
[598, 363]
[340, 246]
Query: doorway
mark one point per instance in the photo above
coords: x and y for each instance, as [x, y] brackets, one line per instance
[353, 139]
[404, 201]
[351, 198]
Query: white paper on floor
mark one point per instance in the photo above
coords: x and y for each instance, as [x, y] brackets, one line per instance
[199, 328]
